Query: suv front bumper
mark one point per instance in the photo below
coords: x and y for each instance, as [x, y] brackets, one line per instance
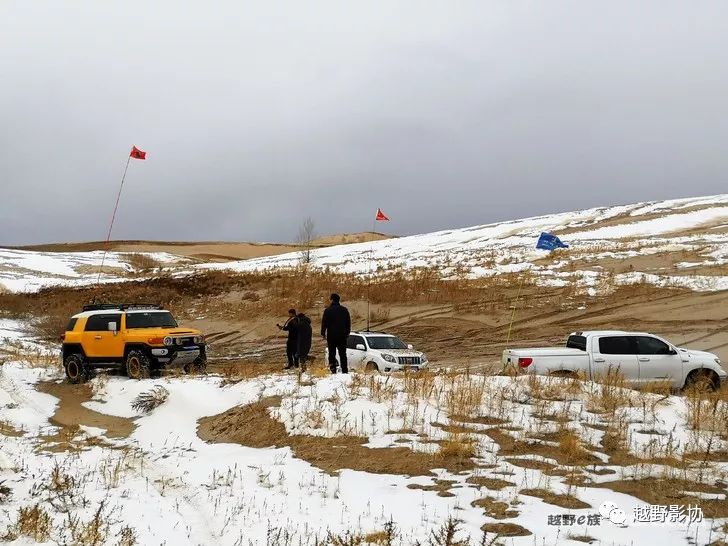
[178, 356]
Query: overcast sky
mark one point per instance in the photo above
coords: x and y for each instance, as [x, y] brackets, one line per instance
[258, 114]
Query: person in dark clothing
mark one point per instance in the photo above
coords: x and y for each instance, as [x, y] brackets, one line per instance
[304, 339]
[291, 326]
[335, 328]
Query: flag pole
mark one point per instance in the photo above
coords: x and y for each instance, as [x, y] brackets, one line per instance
[369, 279]
[111, 224]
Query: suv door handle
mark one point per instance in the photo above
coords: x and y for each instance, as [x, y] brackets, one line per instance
[644, 359]
[97, 337]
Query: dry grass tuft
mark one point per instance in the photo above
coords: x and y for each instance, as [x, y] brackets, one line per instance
[32, 522]
[143, 263]
[147, 401]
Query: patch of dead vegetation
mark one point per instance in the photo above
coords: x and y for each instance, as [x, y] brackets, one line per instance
[442, 487]
[506, 530]
[569, 450]
[562, 500]
[667, 491]
[496, 484]
[495, 508]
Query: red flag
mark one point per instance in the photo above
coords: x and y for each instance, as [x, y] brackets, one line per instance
[381, 217]
[136, 153]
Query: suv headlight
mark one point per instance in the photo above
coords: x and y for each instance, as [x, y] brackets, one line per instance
[168, 340]
[388, 358]
[423, 358]
[198, 340]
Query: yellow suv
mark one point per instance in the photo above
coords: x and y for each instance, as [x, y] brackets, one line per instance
[137, 338]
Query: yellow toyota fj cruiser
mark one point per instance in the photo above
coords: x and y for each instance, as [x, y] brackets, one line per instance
[140, 339]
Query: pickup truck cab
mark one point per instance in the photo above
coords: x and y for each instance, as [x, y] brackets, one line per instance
[639, 356]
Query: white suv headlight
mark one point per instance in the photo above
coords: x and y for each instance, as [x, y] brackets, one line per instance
[388, 358]
[423, 358]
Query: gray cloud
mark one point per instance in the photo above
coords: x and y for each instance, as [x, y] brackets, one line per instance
[257, 114]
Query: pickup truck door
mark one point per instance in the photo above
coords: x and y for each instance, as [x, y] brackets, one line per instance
[658, 362]
[615, 353]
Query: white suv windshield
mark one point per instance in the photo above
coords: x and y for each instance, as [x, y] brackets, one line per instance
[382, 342]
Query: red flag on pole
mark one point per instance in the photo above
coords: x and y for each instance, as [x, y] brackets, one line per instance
[381, 217]
[136, 153]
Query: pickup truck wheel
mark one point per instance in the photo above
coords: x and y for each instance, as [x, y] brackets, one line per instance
[76, 371]
[702, 380]
[137, 365]
[371, 367]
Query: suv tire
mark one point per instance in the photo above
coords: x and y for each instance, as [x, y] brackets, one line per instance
[137, 365]
[75, 367]
[702, 380]
[371, 367]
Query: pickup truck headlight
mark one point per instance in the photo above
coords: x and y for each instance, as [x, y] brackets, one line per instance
[717, 361]
[388, 358]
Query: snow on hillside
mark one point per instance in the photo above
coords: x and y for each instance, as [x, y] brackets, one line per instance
[29, 271]
[695, 229]
[698, 225]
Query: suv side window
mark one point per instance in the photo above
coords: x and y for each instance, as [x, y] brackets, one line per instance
[353, 341]
[100, 323]
[647, 345]
[71, 324]
[617, 345]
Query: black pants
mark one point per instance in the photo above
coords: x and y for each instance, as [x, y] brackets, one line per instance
[337, 345]
[291, 348]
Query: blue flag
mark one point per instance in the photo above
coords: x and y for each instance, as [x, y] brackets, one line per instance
[547, 241]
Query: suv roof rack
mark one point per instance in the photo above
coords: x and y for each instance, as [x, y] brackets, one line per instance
[120, 306]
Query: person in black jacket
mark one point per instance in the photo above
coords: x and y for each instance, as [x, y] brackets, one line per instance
[335, 328]
[291, 326]
[304, 340]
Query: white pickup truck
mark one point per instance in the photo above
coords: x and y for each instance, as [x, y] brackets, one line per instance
[640, 357]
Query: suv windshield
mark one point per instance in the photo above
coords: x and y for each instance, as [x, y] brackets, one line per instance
[386, 342]
[150, 320]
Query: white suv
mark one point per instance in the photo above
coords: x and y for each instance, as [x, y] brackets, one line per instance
[374, 351]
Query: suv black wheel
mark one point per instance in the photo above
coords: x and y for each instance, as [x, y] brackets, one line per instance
[137, 365]
[371, 367]
[76, 371]
[702, 380]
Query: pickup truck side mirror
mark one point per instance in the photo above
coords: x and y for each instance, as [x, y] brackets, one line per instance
[113, 327]
[360, 347]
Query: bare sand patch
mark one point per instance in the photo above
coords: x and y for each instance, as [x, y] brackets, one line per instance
[252, 426]
[71, 413]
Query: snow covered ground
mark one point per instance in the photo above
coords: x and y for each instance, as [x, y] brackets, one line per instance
[164, 485]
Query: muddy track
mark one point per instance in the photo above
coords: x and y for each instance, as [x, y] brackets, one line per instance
[71, 413]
